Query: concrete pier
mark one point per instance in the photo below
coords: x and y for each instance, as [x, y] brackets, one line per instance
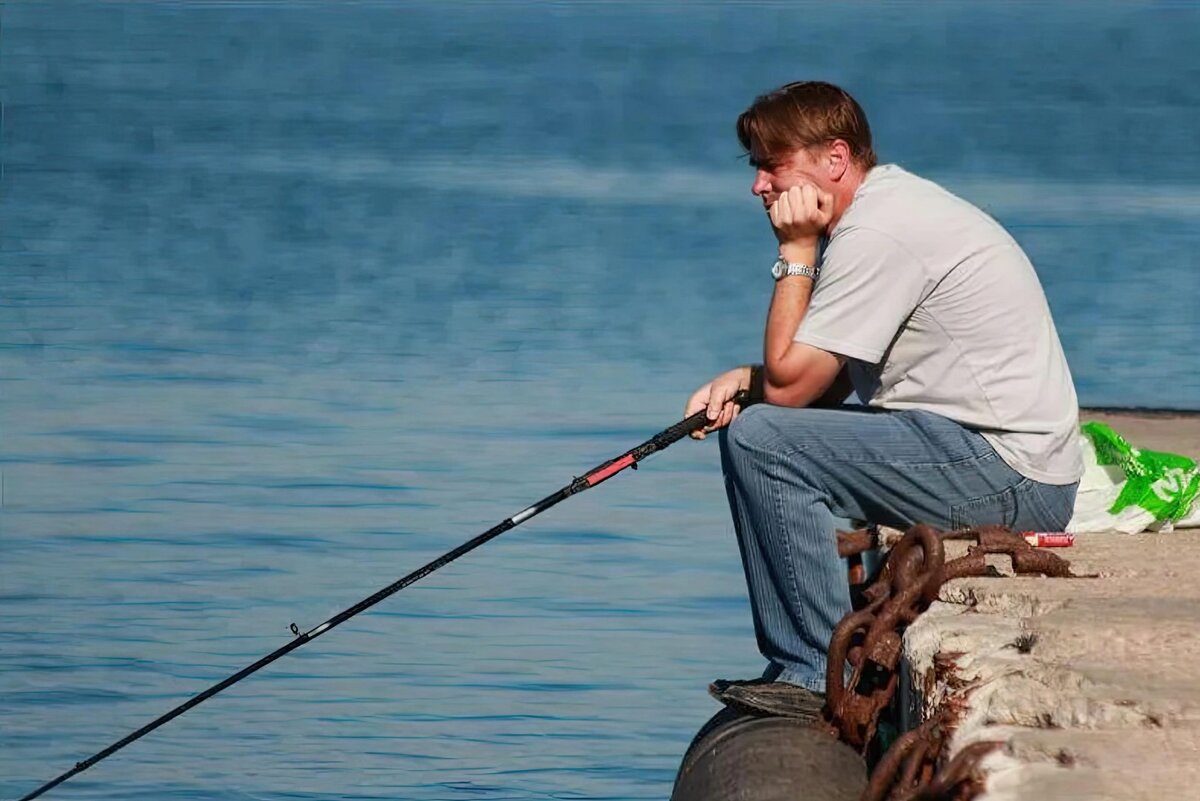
[1093, 684]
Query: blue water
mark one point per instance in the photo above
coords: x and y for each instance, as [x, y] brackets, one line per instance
[295, 297]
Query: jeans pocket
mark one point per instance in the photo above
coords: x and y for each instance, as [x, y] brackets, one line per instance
[1044, 507]
[998, 509]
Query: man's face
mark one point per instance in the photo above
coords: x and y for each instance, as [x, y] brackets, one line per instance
[773, 177]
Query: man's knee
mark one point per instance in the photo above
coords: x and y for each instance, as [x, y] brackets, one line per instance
[757, 430]
[745, 430]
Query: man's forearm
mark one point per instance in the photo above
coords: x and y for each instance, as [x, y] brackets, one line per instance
[788, 306]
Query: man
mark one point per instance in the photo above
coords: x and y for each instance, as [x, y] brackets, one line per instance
[887, 284]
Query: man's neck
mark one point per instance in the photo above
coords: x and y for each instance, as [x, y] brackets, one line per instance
[843, 193]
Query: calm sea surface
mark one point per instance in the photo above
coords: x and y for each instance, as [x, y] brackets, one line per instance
[295, 297]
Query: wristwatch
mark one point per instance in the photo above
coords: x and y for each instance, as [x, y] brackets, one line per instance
[782, 267]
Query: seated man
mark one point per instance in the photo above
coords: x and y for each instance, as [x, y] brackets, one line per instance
[890, 285]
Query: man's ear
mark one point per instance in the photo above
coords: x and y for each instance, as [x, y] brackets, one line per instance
[837, 159]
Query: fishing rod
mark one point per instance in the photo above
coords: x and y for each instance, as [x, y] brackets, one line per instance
[590, 479]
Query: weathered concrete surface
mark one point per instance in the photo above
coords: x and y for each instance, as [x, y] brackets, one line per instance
[1092, 683]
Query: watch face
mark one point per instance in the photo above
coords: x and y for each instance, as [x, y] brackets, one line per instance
[777, 269]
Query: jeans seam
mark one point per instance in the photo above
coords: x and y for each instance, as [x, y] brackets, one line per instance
[784, 448]
[1029, 492]
[817, 453]
[795, 596]
[780, 516]
[1005, 498]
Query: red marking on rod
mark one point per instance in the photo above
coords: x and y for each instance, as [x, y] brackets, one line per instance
[604, 472]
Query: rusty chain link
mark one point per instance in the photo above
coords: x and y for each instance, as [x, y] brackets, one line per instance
[960, 780]
[1026, 559]
[870, 640]
[908, 763]
[906, 771]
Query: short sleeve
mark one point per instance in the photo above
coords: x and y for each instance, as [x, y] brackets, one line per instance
[869, 286]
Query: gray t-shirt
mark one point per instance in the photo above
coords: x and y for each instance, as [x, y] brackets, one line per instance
[938, 308]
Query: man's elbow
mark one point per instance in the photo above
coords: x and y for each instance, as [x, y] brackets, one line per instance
[797, 394]
[801, 376]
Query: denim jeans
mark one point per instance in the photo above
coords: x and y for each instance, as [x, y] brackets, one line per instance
[790, 472]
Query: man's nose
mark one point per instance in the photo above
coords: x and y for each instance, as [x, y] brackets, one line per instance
[762, 183]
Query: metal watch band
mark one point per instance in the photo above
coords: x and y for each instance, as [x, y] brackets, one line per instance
[783, 268]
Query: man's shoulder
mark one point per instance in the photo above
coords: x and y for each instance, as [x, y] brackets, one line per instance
[891, 182]
[883, 205]
[894, 201]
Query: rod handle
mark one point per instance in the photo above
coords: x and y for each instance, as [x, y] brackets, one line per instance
[695, 422]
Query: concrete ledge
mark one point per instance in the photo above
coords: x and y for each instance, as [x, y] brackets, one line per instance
[1094, 684]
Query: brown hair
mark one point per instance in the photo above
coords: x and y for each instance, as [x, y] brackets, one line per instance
[804, 114]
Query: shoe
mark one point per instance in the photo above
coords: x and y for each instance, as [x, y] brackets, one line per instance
[763, 696]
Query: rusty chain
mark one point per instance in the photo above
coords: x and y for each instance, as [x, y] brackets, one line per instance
[869, 639]
[961, 779]
[906, 771]
[908, 763]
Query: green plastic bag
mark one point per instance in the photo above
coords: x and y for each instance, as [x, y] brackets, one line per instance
[1164, 484]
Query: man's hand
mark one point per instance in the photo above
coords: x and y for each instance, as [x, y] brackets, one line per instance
[800, 217]
[717, 397]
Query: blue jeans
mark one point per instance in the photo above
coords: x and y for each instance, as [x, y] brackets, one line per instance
[790, 472]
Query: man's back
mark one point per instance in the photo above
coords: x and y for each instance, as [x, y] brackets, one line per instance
[939, 309]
